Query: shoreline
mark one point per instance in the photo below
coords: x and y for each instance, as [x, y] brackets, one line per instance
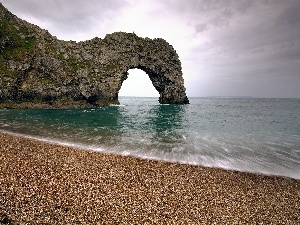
[102, 150]
[43, 182]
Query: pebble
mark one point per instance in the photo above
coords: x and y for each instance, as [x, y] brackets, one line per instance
[42, 183]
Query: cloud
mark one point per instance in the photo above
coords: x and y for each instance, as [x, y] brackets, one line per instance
[200, 27]
[290, 17]
[69, 18]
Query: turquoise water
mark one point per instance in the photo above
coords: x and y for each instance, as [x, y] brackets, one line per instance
[250, 134]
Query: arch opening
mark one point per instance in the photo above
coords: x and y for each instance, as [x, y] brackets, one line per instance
[138, 84]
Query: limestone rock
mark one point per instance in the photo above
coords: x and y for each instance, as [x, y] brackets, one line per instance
[38, 69]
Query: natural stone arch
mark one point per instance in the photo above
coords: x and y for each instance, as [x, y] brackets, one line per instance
[168, 90]
[38, 70]
[158, 60]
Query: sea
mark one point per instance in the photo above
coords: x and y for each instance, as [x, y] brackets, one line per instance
[255, 135]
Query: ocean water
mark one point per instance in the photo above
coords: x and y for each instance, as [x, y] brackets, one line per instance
[245, 134]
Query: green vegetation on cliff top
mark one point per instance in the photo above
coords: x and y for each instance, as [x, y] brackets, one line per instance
[15, 41]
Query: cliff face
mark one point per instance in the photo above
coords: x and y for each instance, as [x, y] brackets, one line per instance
[38, 70]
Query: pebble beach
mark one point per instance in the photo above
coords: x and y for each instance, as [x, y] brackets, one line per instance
[43, 183]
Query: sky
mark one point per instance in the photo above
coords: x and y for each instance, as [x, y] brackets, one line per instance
[226, 47]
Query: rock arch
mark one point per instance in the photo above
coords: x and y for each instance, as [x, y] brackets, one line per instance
[38, 70]
[169, 89]
[158, 60]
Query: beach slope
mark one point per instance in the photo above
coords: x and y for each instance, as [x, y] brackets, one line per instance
[42, 183]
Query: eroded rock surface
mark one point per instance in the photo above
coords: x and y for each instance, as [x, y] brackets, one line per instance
[38, 70]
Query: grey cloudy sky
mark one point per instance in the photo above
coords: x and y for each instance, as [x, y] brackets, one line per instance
[227, 47]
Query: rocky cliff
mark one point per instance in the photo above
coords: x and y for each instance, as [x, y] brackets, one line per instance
[38, 70]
